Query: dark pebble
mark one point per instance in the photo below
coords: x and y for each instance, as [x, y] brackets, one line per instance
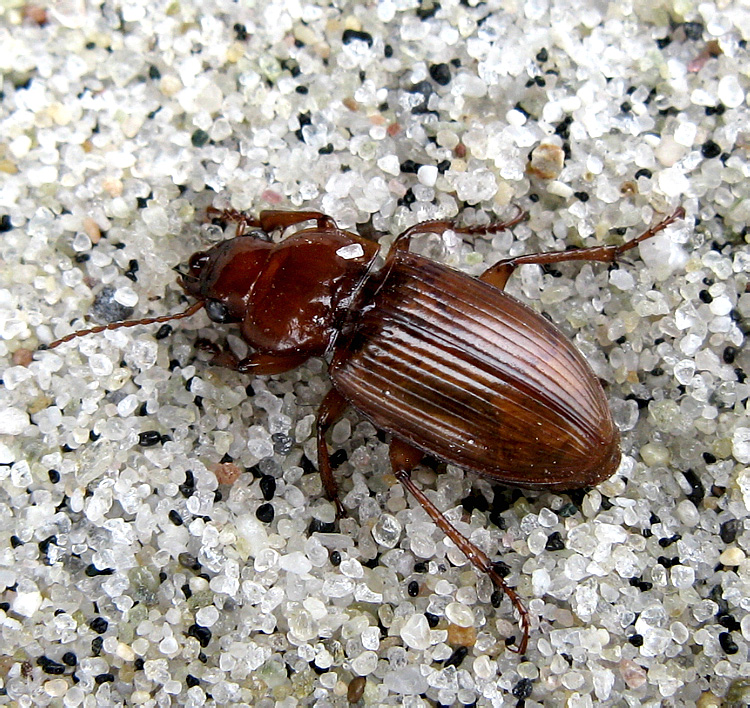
[189, 561]
[199, 138]
[265, 513]
[697, 490]
[523, 688]
[351, 35]
[202, 634]
[728, 531]
[456, 658]
[53, 668]
[149, 438]
[267, 486]
[318, 526]
[92, 571]
[69, 658]
[99, 625]
[727, 643]
[693, 30]
[555, 542]
[441, 74]
[356, 689]
[710, 149]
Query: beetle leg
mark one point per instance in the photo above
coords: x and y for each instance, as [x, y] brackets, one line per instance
[499, 273]
[257, 363]
[271, 219]
[439, 226]
[241, 218]
[404, 458]
[333, 406]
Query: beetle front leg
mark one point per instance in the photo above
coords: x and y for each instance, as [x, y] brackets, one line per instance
[241, 218]
[270, 219]
[257, 363]
[332, 408]
[404, 457]
[499, 273]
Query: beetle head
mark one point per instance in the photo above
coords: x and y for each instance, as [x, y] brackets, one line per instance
[223, 277]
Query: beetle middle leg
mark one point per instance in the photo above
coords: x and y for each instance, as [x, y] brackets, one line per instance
[499, 273]
[404, 457]
[438, 226]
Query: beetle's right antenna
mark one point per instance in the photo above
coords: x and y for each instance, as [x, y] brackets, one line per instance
[126, 323]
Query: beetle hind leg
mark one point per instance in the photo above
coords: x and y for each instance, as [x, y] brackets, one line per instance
[404, 458]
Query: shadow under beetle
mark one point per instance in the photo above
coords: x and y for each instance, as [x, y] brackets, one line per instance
[449, 365]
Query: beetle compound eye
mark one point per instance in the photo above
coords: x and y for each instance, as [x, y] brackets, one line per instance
[198, 262]
[217, 311]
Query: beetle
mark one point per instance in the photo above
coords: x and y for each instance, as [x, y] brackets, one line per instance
[451, 366]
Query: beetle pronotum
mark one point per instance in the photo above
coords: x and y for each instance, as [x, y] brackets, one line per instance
[451, 366]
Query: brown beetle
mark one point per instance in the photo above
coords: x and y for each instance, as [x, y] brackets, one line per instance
[449, 365]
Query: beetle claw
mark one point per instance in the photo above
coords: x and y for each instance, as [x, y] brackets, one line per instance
[524, 619]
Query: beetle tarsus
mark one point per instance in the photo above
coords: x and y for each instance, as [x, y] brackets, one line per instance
[523, 614]
[494, 226]
[678, 214]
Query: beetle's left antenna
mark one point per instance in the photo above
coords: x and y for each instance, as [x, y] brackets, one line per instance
[126, 323]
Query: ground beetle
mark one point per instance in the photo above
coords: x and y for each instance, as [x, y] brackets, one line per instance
[451, 366]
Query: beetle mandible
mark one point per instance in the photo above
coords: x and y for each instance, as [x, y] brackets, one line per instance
[451, 366]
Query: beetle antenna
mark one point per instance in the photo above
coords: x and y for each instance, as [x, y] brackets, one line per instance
[125, 323]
